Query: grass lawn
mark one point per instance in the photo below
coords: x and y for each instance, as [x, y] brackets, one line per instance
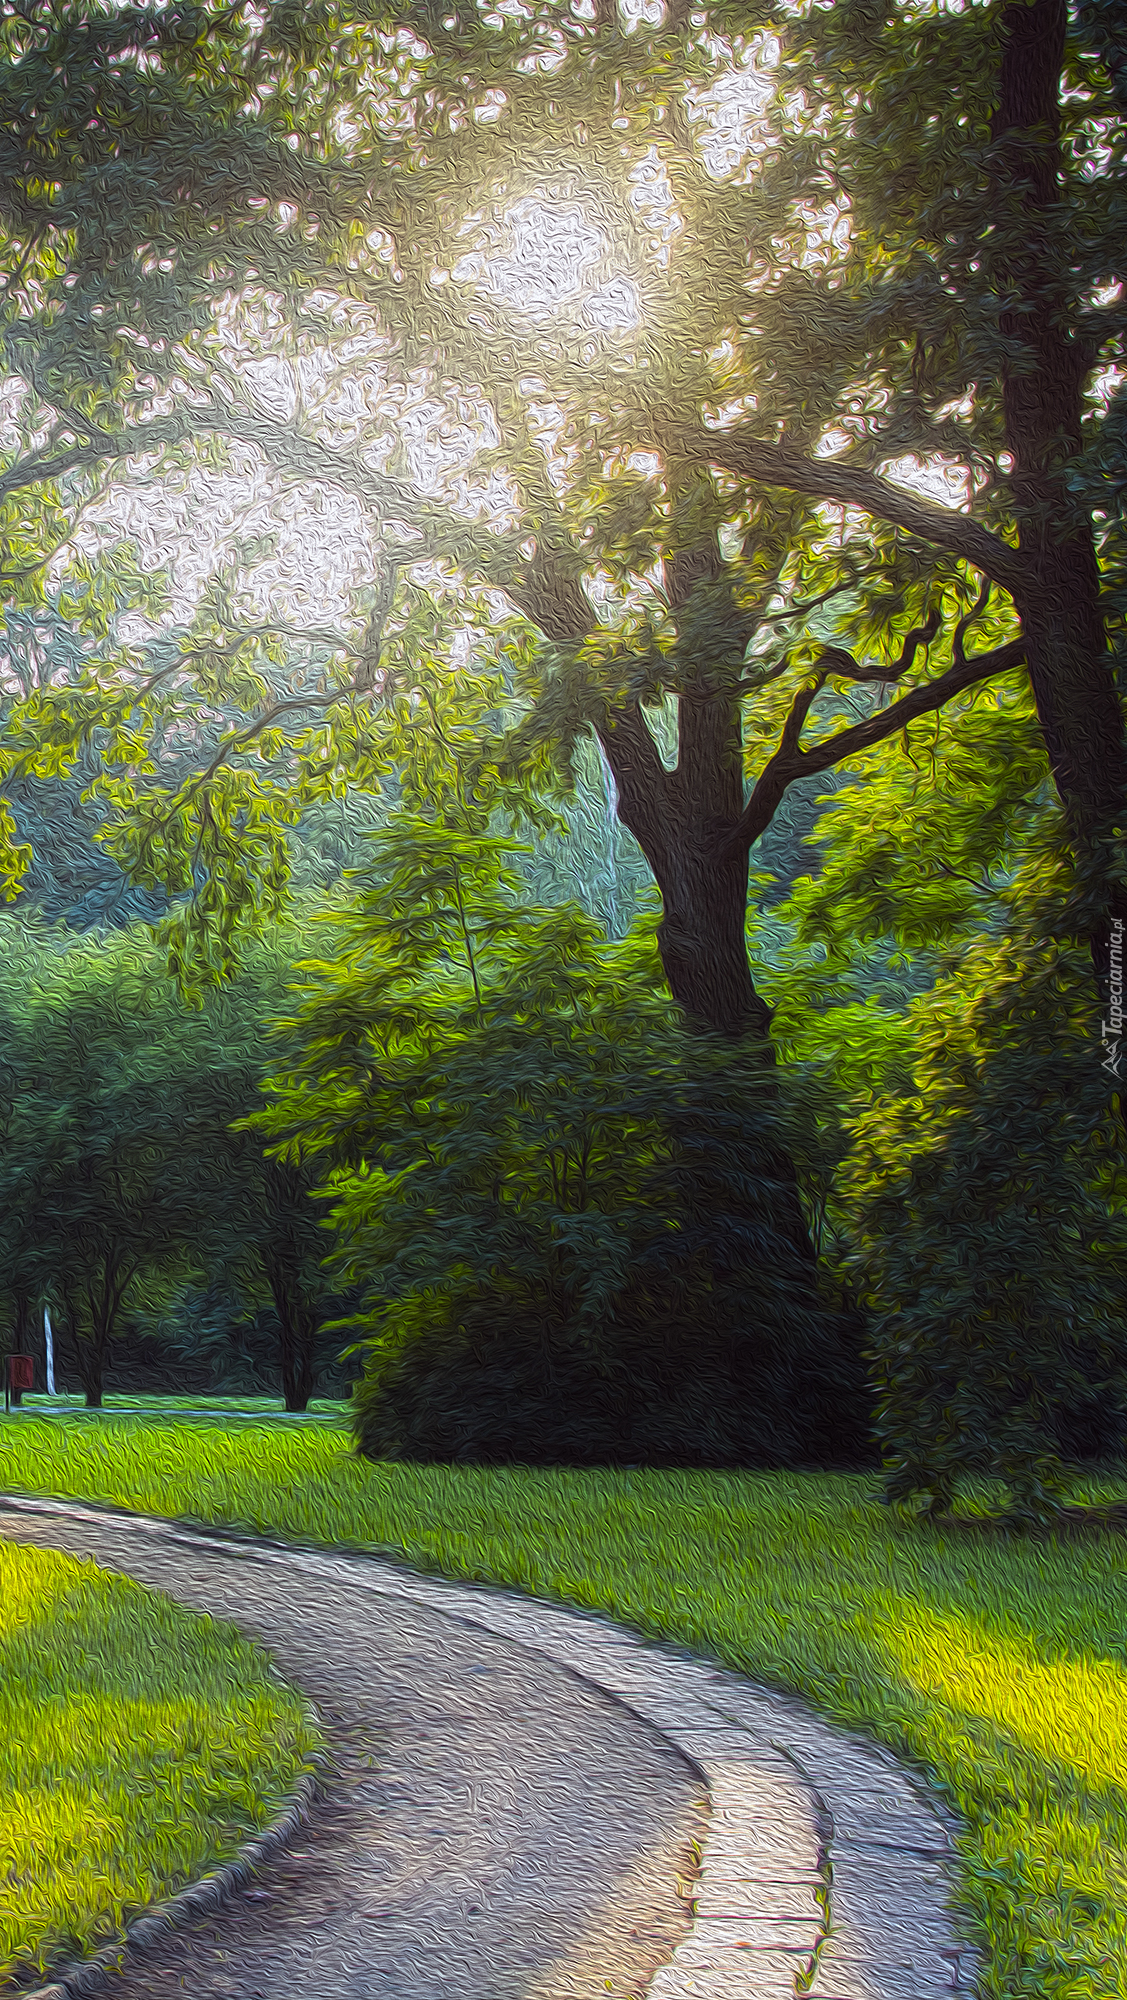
[139, 1746]
[250, 1409]
[997, 1666]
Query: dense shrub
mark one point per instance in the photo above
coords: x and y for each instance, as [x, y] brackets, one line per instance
[570, 1221]
[743, 1375]
[988, 1233]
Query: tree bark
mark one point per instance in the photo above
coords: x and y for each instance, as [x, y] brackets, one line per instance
[298, 1325]
[104, 1297]
[90, 1353]
[1070, 669]
[685, 821]
[702, 939]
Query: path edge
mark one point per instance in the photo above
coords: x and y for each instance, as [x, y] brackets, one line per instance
[210, 1892]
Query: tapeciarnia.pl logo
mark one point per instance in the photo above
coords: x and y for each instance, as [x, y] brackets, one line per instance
[1112, 1029]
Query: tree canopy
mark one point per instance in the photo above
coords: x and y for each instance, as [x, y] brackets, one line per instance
[494, 342]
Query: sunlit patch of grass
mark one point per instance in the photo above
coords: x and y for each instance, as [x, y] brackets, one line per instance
[140, 1745]
[1070, 1710]
[997, 1666]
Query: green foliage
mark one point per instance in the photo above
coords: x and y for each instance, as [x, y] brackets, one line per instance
[330, 244]
[228, 1340]
[122, 1183]
[98, 1187]
[861, 264]
[923, 848]
[563, 1213]
[977, 1220]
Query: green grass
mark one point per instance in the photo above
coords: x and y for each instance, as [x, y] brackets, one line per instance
[139, 1746]
[253, 1409]
[997, 1666]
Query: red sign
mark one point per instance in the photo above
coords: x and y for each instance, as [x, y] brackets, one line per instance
[21, 1371]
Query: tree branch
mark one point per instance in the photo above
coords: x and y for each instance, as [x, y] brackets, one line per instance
[738, 450]
[800, 709]
[685, 568]
[790, 763]
[282, 447]
[968, 618]
[835, 660]
[551, 597]
[237, 741]
[984, 888]
[644, 801]
[811, 603]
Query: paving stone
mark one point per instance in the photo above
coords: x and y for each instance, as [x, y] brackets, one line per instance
[733, 1834]
[748, 1975]
[898, 1938]
[673, 1722]
[737, 1696]
[723, 1745]
[749, 1706]
[721, 1876]
[918, 1972]
[860, 1825]
[765, 1806]
[867, 1892]
[716, 1933]
[757, 1853]
[744, 1899]
[845, 1765]
[899, 1875]
[770, 1979]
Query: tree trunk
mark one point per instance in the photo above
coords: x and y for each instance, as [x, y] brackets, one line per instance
[703, 943]
[104, 1297]
[298, 1327]
[90, 1354]
[703, 946]
[22, 1336]
[683, 821]
[1070, 669]
[702, 939]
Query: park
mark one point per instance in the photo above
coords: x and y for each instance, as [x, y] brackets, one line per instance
[563, 856]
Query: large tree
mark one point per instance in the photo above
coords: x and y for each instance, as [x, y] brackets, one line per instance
[666, 374]
[980, 176]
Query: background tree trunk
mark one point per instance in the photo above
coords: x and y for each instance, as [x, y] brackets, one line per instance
[22, 1336]
[89, 1351]
[298, 1324]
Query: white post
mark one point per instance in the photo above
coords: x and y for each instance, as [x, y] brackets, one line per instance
[50, 1352]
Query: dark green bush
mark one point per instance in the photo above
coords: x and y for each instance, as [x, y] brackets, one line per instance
[489, 1387]
[988, 1235]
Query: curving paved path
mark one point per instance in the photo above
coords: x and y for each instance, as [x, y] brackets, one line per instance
[513, 1794]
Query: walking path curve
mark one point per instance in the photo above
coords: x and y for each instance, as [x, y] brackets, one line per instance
[514, 1792]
